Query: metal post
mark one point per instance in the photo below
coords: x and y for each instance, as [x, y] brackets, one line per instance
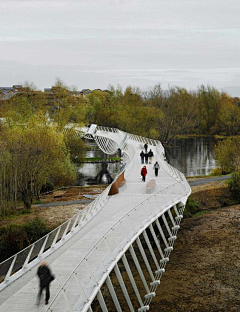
[175, 209]
[140, 272]
[76, 220]
[171, 217]
[101, 301]
[29, 255]
[129, 272]
[166, 224]
[145, 258]
[113, 294]
[66, 229]
[151, 250]
[11, 268]
[161, 232]
[43, 246]
[123, 287]
[56, 237]
[156, 241]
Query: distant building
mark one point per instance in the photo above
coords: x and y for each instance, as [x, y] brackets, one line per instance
[8, 92]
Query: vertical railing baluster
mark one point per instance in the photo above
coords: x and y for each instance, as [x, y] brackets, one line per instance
[9, 272]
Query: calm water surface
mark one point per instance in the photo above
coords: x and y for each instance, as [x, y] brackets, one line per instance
[193, 156]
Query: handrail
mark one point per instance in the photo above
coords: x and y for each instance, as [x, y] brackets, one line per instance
[141, 204]
[36, 250]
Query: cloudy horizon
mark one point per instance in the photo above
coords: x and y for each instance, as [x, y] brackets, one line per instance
[92, 44]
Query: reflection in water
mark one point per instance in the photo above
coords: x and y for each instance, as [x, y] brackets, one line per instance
[192, 156]
[104, 173]
[90, 174]
[96, 173]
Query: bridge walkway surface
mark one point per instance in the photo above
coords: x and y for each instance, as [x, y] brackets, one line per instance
[94, 249]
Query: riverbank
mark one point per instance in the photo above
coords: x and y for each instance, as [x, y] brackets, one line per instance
[203, 271]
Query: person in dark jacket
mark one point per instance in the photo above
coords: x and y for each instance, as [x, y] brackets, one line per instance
[142, 157]
[143, 173]
[145, 147]
[146, 158]
[150, 155]
[45, 278]
[156, 167]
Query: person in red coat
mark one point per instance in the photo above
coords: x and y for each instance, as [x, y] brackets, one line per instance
[143, 173]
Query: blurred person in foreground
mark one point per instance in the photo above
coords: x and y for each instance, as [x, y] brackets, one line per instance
[45, 277]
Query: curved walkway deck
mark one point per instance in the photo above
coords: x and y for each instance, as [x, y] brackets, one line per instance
[94, 249]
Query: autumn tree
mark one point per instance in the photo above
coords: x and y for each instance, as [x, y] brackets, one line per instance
[179, 110]
[228, 118]
[227, 154]
[67, 106]
[35, 153]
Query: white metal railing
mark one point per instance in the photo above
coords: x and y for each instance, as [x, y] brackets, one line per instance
[108, 256]
[45, 245]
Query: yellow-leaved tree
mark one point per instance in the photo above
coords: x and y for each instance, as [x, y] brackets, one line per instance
[32, 154]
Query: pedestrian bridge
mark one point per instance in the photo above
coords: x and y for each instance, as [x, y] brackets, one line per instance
[111, 255]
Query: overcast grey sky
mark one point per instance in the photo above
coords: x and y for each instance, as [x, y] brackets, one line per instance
[91, 44]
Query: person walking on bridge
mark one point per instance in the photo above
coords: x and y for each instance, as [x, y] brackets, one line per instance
[150, 155]
[143, 173]
[146, 147]
[146, 158]
[142, 157]
[45, 278]
[156, 167]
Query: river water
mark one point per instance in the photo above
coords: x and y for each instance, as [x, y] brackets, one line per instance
[192, 156]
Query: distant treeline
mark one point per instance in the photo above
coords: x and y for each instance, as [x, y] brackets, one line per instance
[37, 151]
[164, 114]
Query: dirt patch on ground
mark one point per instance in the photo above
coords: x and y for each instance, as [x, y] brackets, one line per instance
[53, 216]
[203, 273]
[212, 195]
[72, 193]
[204, 268]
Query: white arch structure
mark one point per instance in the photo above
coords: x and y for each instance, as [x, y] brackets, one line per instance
[136, 228]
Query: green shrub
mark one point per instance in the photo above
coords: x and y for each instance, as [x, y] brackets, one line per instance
[191, 207]
[15, 237]
[216, 172]
[234, 186]
[35, 229]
